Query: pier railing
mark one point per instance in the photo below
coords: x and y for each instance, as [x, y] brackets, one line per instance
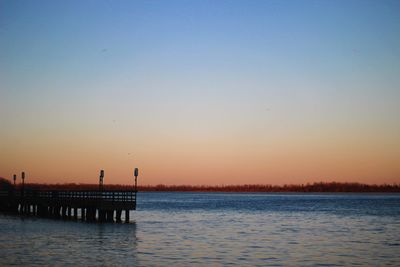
[113, 196]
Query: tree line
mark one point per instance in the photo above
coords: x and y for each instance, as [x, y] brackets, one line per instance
[309, 187]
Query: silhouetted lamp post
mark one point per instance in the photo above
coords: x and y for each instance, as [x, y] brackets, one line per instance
[23, 182]
[101, 179]
[136, 175]
[14, 178]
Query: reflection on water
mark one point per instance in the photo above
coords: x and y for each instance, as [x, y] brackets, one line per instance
[218, 229]
[32, 241]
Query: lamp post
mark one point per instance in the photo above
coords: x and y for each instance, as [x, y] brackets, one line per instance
[136, 174]
[23, 182]
[14, 178]
[101, 179]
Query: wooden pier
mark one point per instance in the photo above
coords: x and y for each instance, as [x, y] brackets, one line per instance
[88, 205]
[101, 206]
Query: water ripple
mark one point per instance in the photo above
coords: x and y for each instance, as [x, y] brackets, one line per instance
[217, 230]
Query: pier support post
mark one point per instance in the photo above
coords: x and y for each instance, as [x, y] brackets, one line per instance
[58, 212]
[91, 214]
[102, 215]
[118, 216]
[88, 214]
[83, 214]
[69, 213]
[110, 215]
[66, 212]
[127, 216]
[41, 210]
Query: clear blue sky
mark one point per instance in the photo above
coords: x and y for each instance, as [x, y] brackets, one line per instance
[277, 91]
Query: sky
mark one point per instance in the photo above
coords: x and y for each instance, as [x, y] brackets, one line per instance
[200, 92]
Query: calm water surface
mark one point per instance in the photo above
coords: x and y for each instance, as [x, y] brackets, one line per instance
[216, 229]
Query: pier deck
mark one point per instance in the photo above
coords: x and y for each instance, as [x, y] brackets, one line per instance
[88, 205]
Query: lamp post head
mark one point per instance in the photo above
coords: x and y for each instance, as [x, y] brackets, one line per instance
[136, 173]
[101, 173]
[23, 175]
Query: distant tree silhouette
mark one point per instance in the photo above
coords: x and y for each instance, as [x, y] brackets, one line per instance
[5, 184]
[314, 187]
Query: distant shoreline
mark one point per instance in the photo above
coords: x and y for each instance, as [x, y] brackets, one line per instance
[320, 187]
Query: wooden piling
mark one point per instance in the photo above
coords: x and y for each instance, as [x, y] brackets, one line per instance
[127, 216]
[102, 215]
[83, 214]
[110, 216]
[118, 216]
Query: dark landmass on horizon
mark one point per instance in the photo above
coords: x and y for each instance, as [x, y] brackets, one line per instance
[320, 187]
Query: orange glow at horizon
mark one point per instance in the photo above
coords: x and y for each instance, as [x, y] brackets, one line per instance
[207, 161]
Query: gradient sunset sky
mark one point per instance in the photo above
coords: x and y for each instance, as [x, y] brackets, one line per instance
[200, 92]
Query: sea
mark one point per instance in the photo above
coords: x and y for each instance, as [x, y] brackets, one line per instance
[217, 229]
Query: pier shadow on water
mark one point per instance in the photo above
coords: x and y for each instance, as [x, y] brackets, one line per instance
[37, 242]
